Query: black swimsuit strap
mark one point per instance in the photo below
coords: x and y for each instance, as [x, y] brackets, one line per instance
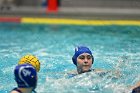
[136, 90]
[16, 89]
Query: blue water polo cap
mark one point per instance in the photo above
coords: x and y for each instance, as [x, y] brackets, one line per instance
[80, 50]
[25, 76]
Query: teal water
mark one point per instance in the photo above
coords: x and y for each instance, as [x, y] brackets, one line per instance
[114, 47]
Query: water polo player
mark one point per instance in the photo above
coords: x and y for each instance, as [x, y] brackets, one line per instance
[26, 78]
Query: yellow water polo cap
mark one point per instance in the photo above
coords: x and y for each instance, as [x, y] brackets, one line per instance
[30, 59]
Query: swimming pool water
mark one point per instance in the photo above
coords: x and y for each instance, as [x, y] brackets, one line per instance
[114, 48]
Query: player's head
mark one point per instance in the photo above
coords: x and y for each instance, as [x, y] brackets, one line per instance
[25, 76]
[80, 50]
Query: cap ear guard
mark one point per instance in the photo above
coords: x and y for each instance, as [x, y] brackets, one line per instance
[92, 59]
[74, 61]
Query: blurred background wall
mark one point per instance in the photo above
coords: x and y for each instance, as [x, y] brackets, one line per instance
[77, 3]
[101, 3]
[27, 2]
[21, 2]
[94, 9]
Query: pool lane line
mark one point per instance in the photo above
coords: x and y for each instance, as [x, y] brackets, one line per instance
[63, 21]
[78, 21]
[10, 19]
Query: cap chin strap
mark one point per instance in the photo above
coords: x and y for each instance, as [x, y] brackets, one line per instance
[34, 91]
